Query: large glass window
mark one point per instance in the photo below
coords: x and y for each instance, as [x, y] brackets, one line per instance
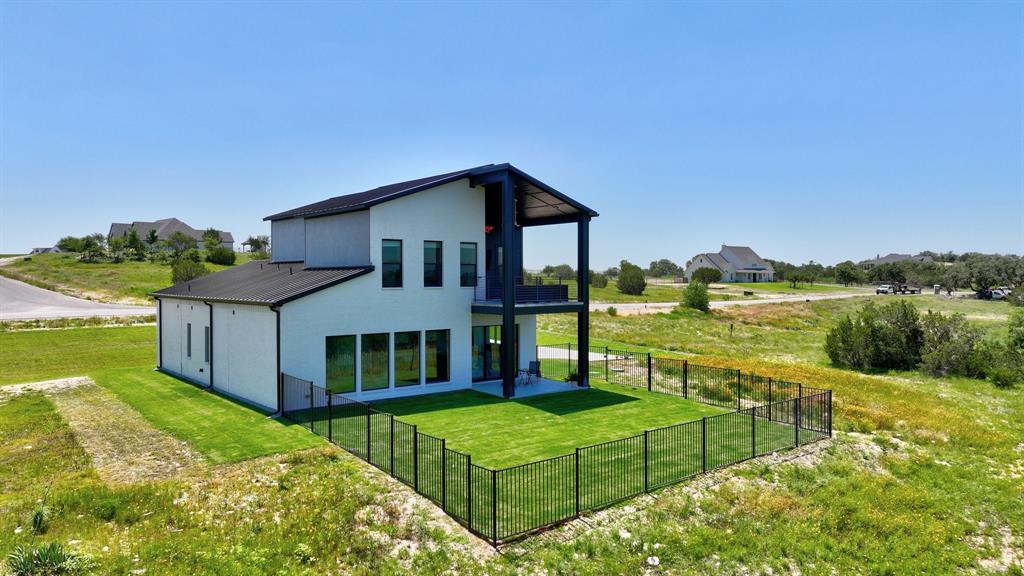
[432, 260]
[467, 264]
[487, 352]
[407, 358]
[391, 264]
[438, 357]
[341, 363]
[375, 361]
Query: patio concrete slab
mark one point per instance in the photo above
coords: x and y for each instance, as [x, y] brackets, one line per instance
[535, 388]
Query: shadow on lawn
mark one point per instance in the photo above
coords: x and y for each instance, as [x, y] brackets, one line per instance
[576, 401]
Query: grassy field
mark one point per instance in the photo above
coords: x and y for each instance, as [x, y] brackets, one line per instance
[923, 477]
[786, 288]
[32, 355]
[542, 426]
[125, 282]
[221, 429]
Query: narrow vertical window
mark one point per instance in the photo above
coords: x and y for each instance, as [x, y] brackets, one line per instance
[375, 361]
[188, 339]
[341, 363]
[438, 357]
[467, 264]
[206, 344]
[407, 358]
[391, 264]
[432, 261]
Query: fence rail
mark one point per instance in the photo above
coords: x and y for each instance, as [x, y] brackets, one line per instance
[500, 504]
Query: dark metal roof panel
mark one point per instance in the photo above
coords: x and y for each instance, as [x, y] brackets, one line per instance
[261, 282]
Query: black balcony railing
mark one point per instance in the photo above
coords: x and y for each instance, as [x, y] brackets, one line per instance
[528, 290]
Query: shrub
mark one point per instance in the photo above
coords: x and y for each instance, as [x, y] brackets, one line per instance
[1016, 297]
[185, 270]
[696, 296]
[48, 559]
[1003, 377]
[613, 311]
[598, 280]
[951, 347]
[706, 275]
[221, 255]
[39, 520]
[887, 337]
[1015, 336]
[631, 279]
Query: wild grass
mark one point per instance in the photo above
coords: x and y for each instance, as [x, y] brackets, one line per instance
[52, 323]
[126, 282]
[33, 355]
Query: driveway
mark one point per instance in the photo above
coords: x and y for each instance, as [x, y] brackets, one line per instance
[20, 301]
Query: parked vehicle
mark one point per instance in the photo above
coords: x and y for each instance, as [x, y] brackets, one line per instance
[994, 293]
[897, 289]
[884, 289]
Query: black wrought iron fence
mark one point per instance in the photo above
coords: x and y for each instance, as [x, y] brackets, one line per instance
[501, 504]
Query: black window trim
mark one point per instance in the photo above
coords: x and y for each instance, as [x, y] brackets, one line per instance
[426, 379]
[401, 262]
[440, 264]
[476, 265]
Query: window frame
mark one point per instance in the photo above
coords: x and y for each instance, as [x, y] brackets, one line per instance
[418, 358]
[363, 363]
[439, 264]
[384, 263]
[448, 355]
[355, 364]
[475, 264]
[188, 339]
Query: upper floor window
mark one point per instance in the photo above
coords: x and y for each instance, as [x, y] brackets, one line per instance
[391, 264]
[467, 264]
[432, 261]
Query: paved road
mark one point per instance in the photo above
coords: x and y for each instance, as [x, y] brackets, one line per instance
[630, 308]
[20, 301]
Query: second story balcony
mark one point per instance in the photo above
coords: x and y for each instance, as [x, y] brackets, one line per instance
[532, 294]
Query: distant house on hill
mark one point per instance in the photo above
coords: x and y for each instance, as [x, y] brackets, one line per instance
[49, 250]
[164, 228]
[736, 263]
[893, 258]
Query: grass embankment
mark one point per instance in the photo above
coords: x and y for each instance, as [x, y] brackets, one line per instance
[33, 355]
[125, 282]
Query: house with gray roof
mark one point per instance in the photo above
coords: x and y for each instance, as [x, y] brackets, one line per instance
[164, 228]
[736, 263]
[892, 258]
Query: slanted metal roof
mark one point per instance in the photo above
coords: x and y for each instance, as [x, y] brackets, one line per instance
[538, 200]
[261, 282]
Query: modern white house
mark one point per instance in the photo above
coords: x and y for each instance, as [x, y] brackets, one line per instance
[410, 288]
[736, 263]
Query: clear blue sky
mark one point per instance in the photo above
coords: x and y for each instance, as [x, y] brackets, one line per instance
[820, 131]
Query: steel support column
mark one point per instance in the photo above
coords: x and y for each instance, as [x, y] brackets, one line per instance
[583, 289]
[509, 363]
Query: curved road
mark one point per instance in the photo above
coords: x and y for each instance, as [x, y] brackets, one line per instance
[20, 301]
[630, 308]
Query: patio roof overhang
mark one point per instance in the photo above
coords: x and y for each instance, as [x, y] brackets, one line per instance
[537, 204]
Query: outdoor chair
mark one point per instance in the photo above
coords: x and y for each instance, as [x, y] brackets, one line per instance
[533, 371]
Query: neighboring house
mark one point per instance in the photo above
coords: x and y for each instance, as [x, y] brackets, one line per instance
[736, 263]
[50, 250]
[891, 258]
[391, 292]
[164, 228]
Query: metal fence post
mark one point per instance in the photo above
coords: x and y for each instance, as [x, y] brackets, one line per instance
[796, 425]
[646, 463]
[829, 413]
[391, 465]
[753, 433]
[415, 459]
[494, 507]
[769, 398]
[704, 444]
[469, 492]
[739, 392]
[312, 414]
[686, 378]
[369, 454]
[444, 477]
[577, 481]
[606, 364]
[649, 372]
[330, 416]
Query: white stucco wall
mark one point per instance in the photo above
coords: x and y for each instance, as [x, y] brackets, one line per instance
[453, 213]
[245, 353]
[338, 240]
[288, 239]
[174, 320]
[702, 261]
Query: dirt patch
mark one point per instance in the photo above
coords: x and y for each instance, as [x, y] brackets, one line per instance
[1000, 550]
[45, 387]
[124, 447]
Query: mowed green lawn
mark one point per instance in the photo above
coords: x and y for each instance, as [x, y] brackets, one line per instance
[222, 429]
[33, 355]
[498, 432]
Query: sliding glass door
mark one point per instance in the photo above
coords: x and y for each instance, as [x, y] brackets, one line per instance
[487, 352]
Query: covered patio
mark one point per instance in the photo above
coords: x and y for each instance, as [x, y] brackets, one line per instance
[525, 388]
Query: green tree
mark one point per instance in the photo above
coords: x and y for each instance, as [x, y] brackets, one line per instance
[152, 238]
[118, 246]
[179, 243]
[561, 271]
[664, 267]
[136, 249]
[70, 244]
[598, 280]
[631, 279]
[258, 244]
[186, 269]
[211, 238]
[847, 273]
[696, 296]
[220, 255]
[706, 275]
[91, 248]
[888, 272]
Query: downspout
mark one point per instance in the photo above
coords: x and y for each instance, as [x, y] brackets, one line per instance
[280, 384]
[210, 306]
[159, 334]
